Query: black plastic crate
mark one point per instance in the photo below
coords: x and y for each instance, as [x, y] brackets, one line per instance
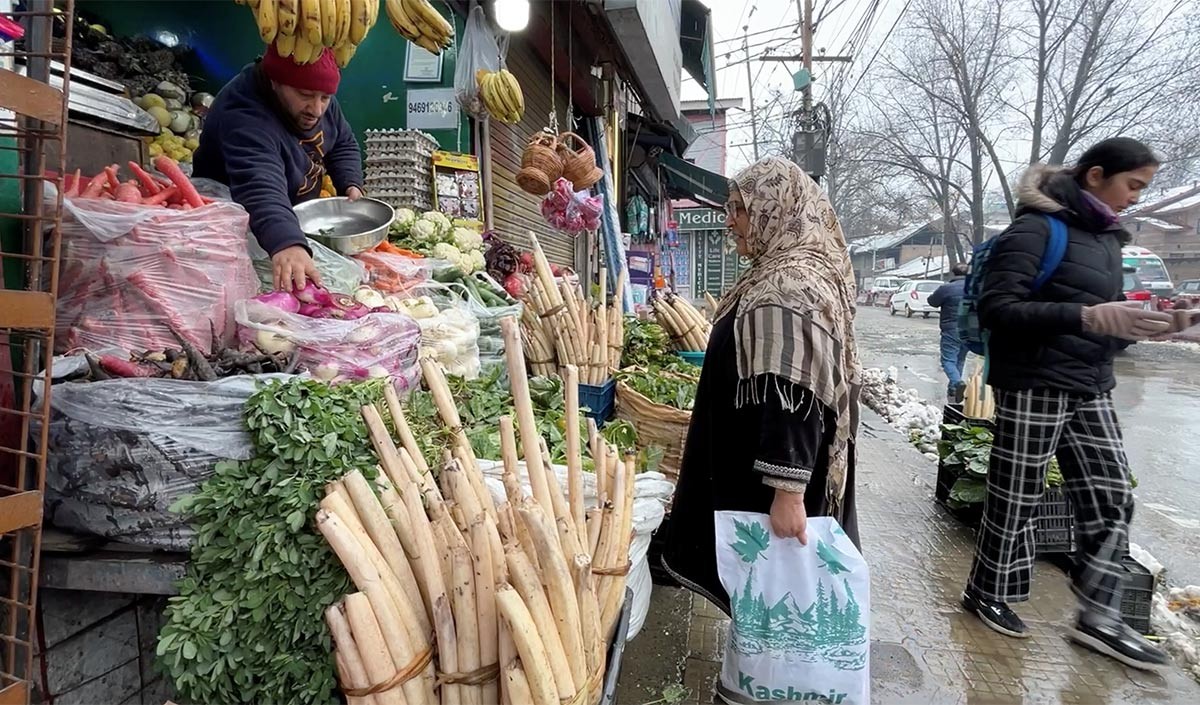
[1054, 523]
[953, 414]
[1139, 594]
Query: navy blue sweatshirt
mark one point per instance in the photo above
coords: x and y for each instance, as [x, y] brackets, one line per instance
[270, 165]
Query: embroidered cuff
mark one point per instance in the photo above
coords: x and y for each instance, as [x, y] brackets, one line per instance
[783, 472]
[794, 486]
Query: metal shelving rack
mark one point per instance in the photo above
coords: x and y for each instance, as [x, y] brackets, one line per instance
[33, 123]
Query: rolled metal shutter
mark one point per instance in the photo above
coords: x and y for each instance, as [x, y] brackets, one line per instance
[516, 213]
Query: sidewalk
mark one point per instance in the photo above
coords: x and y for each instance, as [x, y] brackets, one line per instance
[925, 649]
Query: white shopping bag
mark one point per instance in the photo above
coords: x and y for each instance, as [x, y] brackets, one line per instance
[801, 614]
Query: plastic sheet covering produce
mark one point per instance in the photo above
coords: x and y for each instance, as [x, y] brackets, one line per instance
[333, 350]
[130, 273]
[652, 492]
[392, 273]
[122, 451]
[491, 342]
[338, 272]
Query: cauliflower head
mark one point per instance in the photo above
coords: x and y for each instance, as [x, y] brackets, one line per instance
[440, 221]
[424, 231]
[466, 239]
[448, 252]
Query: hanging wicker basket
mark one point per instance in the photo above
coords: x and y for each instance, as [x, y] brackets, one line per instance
[541, 165]
[657, 425]
[579, 161]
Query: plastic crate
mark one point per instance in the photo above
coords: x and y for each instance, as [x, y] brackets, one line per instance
[693, 357]
[1054, 523]
[1139, 594]
[599, 401]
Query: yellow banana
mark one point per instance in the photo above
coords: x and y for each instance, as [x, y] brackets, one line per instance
[494, 91]
[400, 20]
[372, 13]
[343, 53]
[285, 45]
[440, 29]
[267, 19]
[310, 21]
[286, 16]
[329, 20]
[342, 35]
[515, 90]
[427, 44]
[253, 5]
[412, 8]
[359, 16]
[304, 52]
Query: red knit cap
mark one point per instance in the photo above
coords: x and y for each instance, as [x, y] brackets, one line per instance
[321, 75]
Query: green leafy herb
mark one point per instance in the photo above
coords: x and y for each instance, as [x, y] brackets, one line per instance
[966, 450]
[664, 386]
[247, 625]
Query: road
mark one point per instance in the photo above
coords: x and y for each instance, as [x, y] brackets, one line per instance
[1157, 398]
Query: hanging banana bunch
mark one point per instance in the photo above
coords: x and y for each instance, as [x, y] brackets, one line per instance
[421, 24]
[501, 95]
[303, 29]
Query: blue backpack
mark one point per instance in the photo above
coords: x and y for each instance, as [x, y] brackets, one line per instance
[969, 331]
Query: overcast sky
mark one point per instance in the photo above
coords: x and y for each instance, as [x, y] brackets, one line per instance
[774, 27]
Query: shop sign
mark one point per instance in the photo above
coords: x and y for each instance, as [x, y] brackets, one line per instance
[717, 264]
[700, 219]
[432, 109]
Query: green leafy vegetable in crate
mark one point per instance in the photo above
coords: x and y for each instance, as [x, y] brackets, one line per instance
[966, 451]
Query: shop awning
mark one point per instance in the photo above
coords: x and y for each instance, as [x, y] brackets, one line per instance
[696, 42]
[686, 180]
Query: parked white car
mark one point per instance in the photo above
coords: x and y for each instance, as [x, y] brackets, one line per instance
[881, 289]
[913, 297]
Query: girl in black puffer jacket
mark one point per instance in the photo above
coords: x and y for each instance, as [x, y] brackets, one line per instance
[1050, 358]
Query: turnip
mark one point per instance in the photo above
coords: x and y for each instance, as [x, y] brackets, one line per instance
[282, 300]
[313, 294]
[363, 334]
[326, 371]
[377, 371]
[273, 343]
[369, 297]
[309, 310]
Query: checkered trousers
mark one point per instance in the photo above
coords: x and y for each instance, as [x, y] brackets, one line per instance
[1031, 427]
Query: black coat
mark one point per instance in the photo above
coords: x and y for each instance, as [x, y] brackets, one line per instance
[947, 298]
[1037, 338]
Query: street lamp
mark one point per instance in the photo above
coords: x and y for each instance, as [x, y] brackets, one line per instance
[512, 15]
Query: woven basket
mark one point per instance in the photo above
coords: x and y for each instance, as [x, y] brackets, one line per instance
[657, 425]
[579, 161]
[540, 165]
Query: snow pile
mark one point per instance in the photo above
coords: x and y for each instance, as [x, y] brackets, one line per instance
[1176, 618]
[903, 408]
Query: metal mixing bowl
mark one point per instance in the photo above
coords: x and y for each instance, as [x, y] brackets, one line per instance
[346, 226]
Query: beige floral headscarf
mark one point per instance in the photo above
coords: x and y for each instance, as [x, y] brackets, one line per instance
[795, 304]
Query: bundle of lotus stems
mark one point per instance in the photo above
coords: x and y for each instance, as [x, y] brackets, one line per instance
[562, 326]
[688, 328]
[465, 601]
[978, 400]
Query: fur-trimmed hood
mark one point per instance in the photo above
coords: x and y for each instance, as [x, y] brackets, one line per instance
[1031, 188]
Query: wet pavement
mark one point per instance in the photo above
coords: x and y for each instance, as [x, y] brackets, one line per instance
[1157, 398]
[925, 649]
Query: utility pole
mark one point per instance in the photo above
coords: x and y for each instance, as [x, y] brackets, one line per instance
[750, 90]
[806, 40]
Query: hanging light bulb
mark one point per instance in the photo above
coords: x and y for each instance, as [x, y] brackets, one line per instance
[512, 15]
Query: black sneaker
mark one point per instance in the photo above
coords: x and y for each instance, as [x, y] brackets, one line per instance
[995, 615]
[1119, 641]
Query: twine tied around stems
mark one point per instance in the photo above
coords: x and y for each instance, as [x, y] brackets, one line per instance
[480, 676]
[622, 569]
[402, 676]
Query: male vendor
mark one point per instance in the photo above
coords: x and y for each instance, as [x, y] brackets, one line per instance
[272, 134]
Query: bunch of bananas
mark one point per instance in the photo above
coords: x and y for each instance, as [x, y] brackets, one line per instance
[302, 29]
[501, 94]
[419, 23]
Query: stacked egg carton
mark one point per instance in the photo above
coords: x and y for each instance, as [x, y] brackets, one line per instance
[399, 170]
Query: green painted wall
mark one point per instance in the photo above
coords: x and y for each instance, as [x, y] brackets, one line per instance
[225, 39]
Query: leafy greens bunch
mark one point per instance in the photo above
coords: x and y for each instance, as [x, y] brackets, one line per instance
[247, 625]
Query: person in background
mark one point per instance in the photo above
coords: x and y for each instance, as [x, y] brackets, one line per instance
[776, 410]
[272, 134]
[1050, 358]
[954, 352]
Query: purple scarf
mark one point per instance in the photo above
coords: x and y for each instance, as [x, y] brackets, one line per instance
[1101, 209]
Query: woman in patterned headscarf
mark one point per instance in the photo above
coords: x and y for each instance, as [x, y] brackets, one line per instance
[776, 411]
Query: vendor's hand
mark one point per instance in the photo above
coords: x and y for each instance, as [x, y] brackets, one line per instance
[293, 266]
[788, 516]
[354, 193]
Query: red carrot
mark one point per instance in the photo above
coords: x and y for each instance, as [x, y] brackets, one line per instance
[128, 192]
[95, 186]
[114, 181]
[170, 168]
[161, 197]
[123, 368]
[150, 187]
